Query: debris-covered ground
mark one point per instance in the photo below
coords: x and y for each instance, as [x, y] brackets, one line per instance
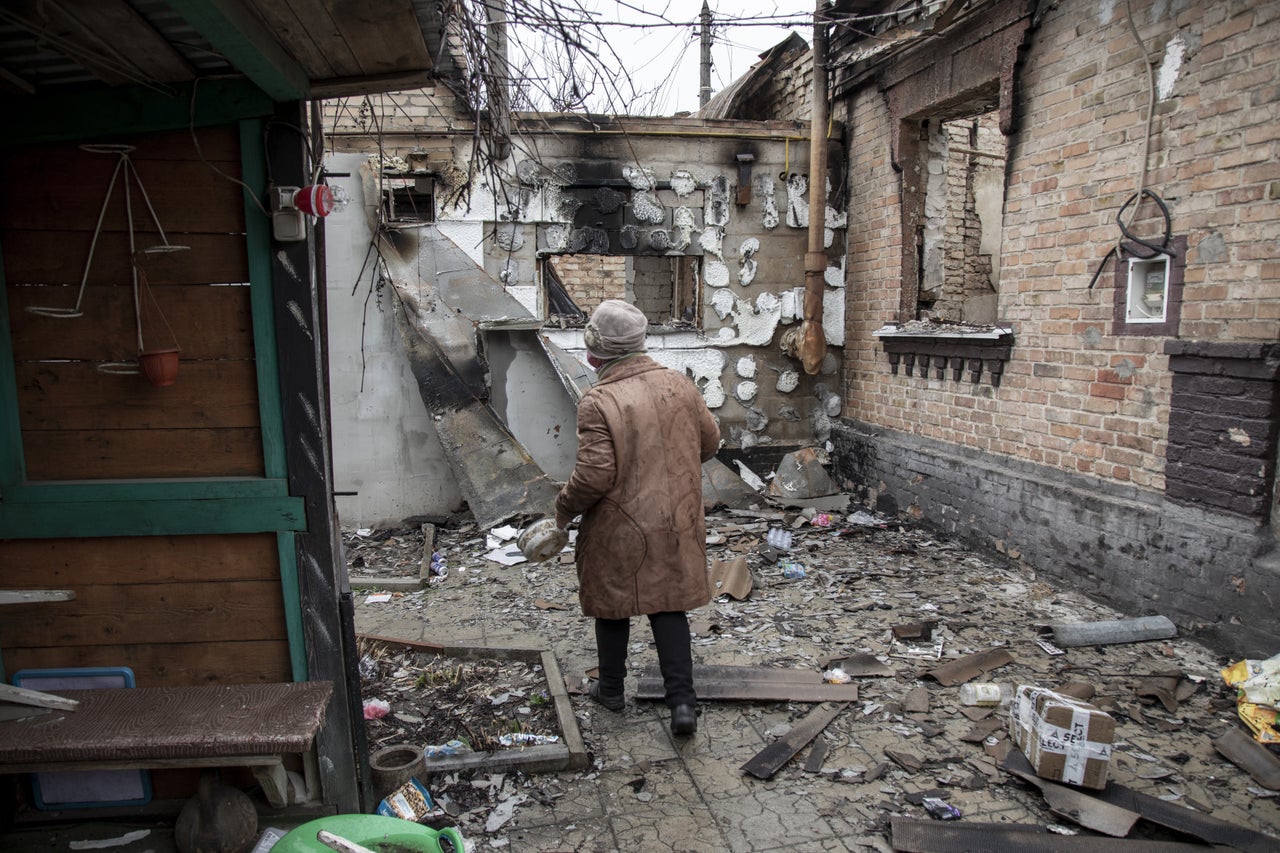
[860, 589]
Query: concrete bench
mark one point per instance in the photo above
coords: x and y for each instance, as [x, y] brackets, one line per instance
[238, 725]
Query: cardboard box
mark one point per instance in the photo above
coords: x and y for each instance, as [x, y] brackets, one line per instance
[1065, 740]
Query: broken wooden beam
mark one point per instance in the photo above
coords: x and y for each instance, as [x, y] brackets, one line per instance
[934, 836]
[768, 761]
[752, 684]
[1251, 757]
[969, 667]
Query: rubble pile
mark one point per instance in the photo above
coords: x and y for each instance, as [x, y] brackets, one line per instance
[848, 597]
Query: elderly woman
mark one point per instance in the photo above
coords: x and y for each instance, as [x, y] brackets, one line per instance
[643, 434]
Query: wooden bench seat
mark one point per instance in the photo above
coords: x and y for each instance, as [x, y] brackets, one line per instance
[239, 725]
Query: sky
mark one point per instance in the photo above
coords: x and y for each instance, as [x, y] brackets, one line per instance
[657, 44]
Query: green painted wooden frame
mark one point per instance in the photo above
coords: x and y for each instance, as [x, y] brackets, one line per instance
[155, 507]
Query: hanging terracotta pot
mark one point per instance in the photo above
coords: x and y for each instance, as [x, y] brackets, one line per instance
[160, 366]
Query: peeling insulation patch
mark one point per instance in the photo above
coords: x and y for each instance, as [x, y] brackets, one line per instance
[1174, 52]
[509, 237]
[713, 394]
[756, 419]
[640, 179]
[510, 274]
[797, 207]
[755, 326]
[792, 302]
[566, 172]
[682, 183]
[747, 269]
[834, 276]
[716, 274]
[659, 240]
[835, 219]
[529, 172]
[629, 237]
[722, 302]
[787, 380]
[765, 189]
[746, 391]
[716, 210]
[646, 207]
[712, 242]
[703, 365]
[746, 367]
[682, 227]
[559, 205]
[557, 237]
[833, 316]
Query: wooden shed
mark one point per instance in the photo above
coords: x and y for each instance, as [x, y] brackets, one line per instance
[189, 523]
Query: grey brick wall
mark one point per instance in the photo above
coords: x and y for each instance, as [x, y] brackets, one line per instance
[1216, 575]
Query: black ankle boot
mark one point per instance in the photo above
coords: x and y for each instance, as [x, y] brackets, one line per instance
[612, 701]
[684, 720]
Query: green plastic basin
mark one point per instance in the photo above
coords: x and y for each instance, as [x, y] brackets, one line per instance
[377, 832]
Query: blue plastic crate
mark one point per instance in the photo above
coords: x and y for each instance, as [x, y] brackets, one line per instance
[82, 789]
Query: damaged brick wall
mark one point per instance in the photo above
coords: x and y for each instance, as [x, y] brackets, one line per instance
[1115, 543]
[591, 279]
[1083, 401]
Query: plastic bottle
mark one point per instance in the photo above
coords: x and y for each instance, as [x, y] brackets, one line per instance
[986, 693]
[779, 538]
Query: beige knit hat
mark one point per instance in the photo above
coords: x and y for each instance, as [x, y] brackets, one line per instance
[615, 329]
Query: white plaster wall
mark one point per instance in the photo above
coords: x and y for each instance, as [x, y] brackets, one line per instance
[385, 447]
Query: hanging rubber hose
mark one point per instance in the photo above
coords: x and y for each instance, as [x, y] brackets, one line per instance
[1154, 249]
[1163, 249]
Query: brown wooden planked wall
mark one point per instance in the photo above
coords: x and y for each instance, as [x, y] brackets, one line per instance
[78, 422]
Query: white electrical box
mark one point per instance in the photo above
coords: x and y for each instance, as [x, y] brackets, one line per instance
[1147, 296]
[288, 224]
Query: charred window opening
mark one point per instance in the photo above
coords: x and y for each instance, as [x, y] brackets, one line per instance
[960, 224]
[664, 287]
[413, 201]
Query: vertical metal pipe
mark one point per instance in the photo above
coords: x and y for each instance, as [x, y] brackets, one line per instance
[704, 90]
[813, 343]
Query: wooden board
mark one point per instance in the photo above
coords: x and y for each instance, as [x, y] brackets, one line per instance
[125, 454]
[137, 614]
[76, 396]
[754, 691]
[168, 664]
[744, 674]
[767, 762]
[207, 323]
[60, 257]
[69, 563]
[161, 723]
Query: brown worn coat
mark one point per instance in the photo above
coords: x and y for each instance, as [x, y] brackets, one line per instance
[643, 434]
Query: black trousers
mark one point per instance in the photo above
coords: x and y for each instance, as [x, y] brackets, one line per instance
[675, 655]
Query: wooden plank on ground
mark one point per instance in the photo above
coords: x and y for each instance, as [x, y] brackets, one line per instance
[754, 691]
[752, 674]
[1251, 757]
[935, 836]
[963, 669]
[1170, 815]
[767, 762]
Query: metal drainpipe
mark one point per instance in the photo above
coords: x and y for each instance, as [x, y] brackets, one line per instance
[808, 343]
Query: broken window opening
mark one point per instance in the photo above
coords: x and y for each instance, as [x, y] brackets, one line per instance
[410, 202]
[664, 287]
[960, 224]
